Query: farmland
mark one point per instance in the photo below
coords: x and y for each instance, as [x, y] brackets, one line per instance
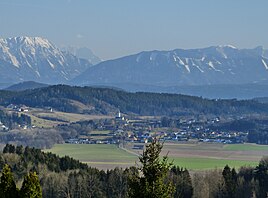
[46, 119]
[193, 156]
[97, 155]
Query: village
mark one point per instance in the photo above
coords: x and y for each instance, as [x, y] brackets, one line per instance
[122, 130]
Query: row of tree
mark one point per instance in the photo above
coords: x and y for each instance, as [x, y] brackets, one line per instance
[36, 156]
[34, 137]
[258, 136]
[155, 177]
[257, 129]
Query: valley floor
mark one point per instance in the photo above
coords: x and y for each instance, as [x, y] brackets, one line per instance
[193, 156]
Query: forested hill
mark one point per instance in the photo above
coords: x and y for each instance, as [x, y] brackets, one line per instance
[108, 101]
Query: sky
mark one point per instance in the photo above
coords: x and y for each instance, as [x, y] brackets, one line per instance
[116, 28]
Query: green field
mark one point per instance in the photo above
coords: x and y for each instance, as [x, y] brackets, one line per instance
[245, 147]
[207, 163]
[98, 155]
[40, 117]
[190, 156]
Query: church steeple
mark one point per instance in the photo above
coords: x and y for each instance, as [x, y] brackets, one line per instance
[119, 116]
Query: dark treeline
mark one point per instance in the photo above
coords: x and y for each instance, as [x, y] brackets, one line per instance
[105, 101]
[38, 138]
[75, 129]
[36, 157]
[257, 129]
[259, 136]
[66, 177]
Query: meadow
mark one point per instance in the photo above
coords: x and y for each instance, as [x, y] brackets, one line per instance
[103, 156]
[246, 147]
[46, 119]
[196, 156]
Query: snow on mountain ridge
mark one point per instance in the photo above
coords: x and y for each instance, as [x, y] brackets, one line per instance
[265, 64]
[227, 46]
[36, 58]
[15, 50]
[32, 41]
[223, 64]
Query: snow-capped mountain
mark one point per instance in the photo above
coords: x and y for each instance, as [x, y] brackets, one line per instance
[207, 66]
[84, 53]
[37, 59]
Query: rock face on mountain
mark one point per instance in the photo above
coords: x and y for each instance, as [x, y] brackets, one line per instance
[208, 66]
[37, 59]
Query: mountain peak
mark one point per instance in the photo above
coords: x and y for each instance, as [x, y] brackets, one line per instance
[228, 46]
[223, 64]
[83, 53]
[36, 58]
[31, 41]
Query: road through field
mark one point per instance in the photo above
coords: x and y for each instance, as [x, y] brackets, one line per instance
[197, 156]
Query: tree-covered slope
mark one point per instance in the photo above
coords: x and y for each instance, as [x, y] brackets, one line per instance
[105, 101]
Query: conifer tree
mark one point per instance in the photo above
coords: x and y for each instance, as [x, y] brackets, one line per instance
[261, 174]
[182, 181]
[230, 181]
[7, 186]
[152, 181]
[31, 186]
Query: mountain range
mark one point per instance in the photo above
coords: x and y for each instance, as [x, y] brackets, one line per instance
[203, 72]
[37, 59]
[207, 66]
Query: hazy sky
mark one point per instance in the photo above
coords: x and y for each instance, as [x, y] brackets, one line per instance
[114, 28]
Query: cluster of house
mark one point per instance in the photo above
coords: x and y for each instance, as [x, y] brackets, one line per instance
[224, 137]
[143, 130]
[90, 141]
[18, 108]
[3, 127]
